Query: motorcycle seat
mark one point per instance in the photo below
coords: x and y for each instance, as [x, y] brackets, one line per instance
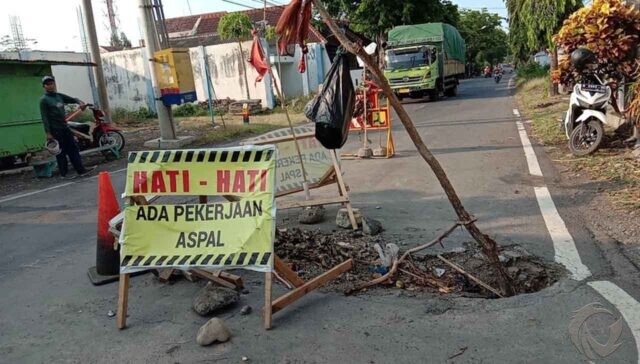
[81, 127]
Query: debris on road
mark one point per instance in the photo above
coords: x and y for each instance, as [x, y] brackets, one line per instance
[311, 215]
[371, 226]
[213, 331]
[388, 255]
[213, 298]
[111, 313]
[312, 252]
[342, 218]
[245, 310]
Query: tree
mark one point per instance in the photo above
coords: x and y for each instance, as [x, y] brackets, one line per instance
[486, 41]
[487, 244]
[374, 18]
[540, 20]
[126, 43]
[610, 29]
[237, 26]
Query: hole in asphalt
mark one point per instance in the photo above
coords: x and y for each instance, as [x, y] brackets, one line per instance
[312, 252]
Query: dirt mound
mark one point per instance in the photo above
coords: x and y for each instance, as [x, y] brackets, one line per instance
[312, 252]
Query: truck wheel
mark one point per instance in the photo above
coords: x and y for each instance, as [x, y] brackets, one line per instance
[434, 95]
[453, 91]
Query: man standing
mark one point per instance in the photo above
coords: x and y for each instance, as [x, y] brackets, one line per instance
[53, 115]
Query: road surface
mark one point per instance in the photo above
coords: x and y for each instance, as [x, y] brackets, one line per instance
[50, 312]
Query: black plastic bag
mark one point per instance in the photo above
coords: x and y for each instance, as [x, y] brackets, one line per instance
[332, 108]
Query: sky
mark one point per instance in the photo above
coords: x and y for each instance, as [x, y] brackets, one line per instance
[54, 24]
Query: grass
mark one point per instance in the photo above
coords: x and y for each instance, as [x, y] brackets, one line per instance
[235, 129]
[612, 164]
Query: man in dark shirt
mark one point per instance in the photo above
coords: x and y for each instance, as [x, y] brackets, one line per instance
[53, 115]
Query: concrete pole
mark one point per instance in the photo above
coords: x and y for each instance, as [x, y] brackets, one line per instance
[94, 48]
[167, 130]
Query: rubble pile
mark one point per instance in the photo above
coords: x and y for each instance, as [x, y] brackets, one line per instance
[310, 253]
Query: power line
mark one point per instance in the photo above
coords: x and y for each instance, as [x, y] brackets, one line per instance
[239, 4]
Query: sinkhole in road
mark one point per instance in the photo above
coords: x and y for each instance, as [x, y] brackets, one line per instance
[312, 252]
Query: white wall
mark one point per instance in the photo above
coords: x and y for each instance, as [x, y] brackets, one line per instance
[226, 73]
[74, 81]
[125, 76]
[128, 86]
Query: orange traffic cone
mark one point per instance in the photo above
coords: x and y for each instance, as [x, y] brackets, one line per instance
[107, 257]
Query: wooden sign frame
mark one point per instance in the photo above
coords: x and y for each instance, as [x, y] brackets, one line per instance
[301, 288]
[333, 176]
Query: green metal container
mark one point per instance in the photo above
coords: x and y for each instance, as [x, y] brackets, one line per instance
[21, 129]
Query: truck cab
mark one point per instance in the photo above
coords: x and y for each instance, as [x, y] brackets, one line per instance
[424, 60]
[413, 71]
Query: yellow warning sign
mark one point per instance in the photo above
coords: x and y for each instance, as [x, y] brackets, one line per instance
[223, 235]
[239, 171]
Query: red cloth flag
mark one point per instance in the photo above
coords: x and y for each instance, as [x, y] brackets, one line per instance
[257, 58]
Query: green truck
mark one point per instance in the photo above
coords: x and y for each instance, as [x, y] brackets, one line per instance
[425, 60]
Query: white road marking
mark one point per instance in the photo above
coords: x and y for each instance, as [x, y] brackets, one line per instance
[624, 303]
[566, 252]
[565, 249]
[532, 160]
[22, 195]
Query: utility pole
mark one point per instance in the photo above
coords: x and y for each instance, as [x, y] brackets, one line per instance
[167, 130]
[92, 39]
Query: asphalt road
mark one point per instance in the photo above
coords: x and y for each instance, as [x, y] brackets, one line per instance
[49, 312]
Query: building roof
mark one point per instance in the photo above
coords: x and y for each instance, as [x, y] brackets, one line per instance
[44, 57]
[202, 25]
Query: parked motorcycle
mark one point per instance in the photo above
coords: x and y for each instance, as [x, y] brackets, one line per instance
[587, 114]
[100, 134]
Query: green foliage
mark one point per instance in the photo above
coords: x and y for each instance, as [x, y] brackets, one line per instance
[235, 26]
[531, 70]
[270, 33]
[375, 18]
[486, 41]
[123, 116]
[190, 109]
[533, 23]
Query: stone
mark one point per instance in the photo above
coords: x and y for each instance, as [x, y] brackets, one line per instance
[245, 310]
[214, 330]
[371, 226]
[439, 272]
[311, 215]
[213, 298]
[342, 218]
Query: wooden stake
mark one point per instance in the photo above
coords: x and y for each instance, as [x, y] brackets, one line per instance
[287, 273]
[343, 188]
[487, 244]
[296, 294]
[478, 281]
[267, 310]
[213, 278]
[123, 301]
[305, 176]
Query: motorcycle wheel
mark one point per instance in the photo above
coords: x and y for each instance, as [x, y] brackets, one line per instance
[586, 138]
[111, 137]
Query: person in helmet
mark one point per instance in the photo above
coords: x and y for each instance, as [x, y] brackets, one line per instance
[53, 115]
